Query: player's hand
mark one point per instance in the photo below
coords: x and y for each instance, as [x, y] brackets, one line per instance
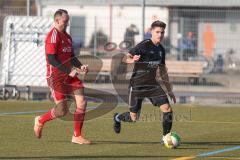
[84, 69]
[172, 96]
[136, 58]
[73, 72]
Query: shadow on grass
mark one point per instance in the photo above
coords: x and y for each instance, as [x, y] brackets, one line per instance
[212, 143]
[90, 157]
[156, 142]
[113, 142]
[125, 142]
[134, 143]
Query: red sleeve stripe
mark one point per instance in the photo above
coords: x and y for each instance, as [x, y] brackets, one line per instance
[54, 36]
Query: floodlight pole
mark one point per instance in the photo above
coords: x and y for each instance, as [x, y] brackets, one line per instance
[143, 18]
[28, 7]
[95, 37]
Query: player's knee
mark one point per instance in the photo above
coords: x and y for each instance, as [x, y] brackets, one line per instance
[61, 113]
[85, 102]
[82, 103]
[166, 108]
[133, 116]
[169, 109]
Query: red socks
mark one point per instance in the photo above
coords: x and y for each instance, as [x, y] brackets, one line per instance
[78, 121]
[50, 115]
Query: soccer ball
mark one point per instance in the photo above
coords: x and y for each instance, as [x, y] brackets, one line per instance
[171, 140]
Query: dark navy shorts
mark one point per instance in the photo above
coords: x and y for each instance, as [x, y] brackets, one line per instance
[156, 95]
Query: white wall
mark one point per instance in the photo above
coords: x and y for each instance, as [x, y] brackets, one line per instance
[122, 17]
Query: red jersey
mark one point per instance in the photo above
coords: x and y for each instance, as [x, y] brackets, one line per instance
[59, 44]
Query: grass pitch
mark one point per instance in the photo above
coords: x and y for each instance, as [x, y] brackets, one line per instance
[211, 130]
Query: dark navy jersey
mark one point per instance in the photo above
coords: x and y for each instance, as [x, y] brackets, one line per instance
[151, 57]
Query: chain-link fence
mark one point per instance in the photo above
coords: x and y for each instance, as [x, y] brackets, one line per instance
[11, 7]
[208, 36]
[201, 45]
[5, 11]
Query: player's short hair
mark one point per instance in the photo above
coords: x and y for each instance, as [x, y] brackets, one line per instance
[59, 13]
[158, 24]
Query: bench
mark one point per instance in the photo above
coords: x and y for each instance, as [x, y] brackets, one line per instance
[185, 71]
[184, 68]
[100, 69]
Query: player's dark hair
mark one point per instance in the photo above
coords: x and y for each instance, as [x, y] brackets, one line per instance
[158, 24]
[59, 12]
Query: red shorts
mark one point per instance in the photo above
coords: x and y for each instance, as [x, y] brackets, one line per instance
[61, 87]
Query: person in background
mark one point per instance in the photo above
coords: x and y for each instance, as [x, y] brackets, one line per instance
[187, 46]
[130, 33]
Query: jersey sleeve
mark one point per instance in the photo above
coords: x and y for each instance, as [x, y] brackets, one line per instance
[135, 50]
[52, 43]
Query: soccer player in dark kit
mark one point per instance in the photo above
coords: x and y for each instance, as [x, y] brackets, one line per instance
[148, 59]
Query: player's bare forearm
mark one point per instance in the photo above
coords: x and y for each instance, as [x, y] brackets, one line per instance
[165, 78]
[167, 84]
[130, 58]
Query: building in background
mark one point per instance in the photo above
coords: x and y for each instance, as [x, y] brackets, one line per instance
[113, 18]
[95, 22]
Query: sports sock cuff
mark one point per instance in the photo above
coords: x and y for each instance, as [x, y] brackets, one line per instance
[117, 119]
[80, 110]
[125, 117]
[53, 114]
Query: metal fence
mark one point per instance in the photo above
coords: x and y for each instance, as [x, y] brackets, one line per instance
[6, 11]
[201, 45]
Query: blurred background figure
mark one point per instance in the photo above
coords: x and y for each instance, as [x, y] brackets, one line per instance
[187, 47]
[101, 39]
[77, 45]
[208, 41]
[147, 34]
[130, 33]
[219, 64]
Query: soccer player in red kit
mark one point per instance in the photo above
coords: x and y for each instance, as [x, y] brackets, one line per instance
[62, 70]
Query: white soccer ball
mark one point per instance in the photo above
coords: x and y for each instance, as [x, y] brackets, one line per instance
[172, 140]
